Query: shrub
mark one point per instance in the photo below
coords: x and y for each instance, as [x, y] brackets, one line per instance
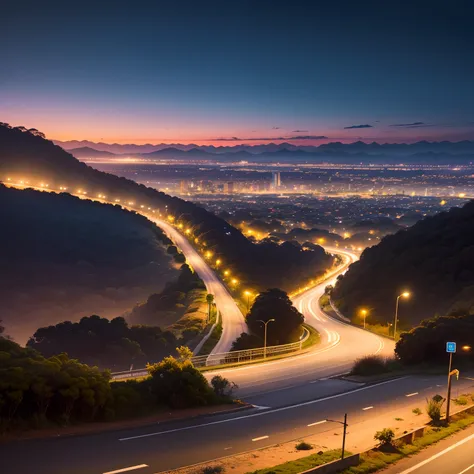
[417, 411]
[179, 384]
[433, 408]
[385, 436]
[212, 470]
[303, 446]
[222, 387]
[462, 400]
[372, 365]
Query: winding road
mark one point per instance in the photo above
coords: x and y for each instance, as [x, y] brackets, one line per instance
[232, 318]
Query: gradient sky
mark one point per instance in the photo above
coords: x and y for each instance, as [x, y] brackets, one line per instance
[232, 71]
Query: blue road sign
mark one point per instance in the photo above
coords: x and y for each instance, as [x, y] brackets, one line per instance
[450, 347]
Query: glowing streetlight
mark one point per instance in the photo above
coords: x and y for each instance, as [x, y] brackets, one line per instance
[226, 272]
[405, 295]
[363, 313]
[218, 262]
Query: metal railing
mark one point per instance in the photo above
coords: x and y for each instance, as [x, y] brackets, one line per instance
[229, 358]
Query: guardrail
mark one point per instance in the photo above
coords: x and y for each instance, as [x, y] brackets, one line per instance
[229, 358]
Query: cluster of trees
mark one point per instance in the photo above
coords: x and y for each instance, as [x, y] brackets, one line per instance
[63, 256]
[111, 344]
[285, 327]
[434, 260]
[427, 342]
[260, 264]
[36, 391]
[174, 300]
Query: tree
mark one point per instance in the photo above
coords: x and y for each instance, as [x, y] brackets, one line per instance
[427, 342]
[275, 304]
[210, 300]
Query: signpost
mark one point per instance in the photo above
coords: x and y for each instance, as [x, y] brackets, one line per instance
[450, 349]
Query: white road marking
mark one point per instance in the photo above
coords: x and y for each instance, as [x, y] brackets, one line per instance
[411, 394]
[367, 408]
[318, 423]
[258, 407]
[264, 413]
[226, 449]
[467, 469]
[260, 438]
[438, 455]
[125, 469]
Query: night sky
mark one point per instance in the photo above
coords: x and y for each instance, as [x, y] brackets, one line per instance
[239, 71]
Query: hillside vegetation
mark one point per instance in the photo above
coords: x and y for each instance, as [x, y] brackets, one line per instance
[27, 155]
[63, 258]
[434, 260]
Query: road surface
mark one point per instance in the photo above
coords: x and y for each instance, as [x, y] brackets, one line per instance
[233, 321]
[453, 455]
[340, 345]
[175, 444]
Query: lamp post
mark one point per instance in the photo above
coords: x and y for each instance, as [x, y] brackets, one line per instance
[405, 294]
[343, 423]
[363, 312]
[265, 323]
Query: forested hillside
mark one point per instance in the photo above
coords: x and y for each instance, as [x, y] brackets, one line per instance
[26, 154]
[63, 258]
[434, 260]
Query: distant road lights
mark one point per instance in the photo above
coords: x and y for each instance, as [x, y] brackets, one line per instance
[466, 348]
[170, 218]
[363, 313]
[218, 262]
[443, 203]
[180, 225]
[130, 203]
[405, 295]
[142, 206]
[235, 281]
[347, 235]
[208, 254]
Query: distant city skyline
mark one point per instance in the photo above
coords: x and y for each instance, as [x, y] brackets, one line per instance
[226, 73]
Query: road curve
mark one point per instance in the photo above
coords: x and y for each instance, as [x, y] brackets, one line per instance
[233, 321]
[340, 345]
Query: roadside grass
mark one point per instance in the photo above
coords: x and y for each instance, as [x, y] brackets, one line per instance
[313, 338]
[303, 464]
[212, 340]
[375, 459]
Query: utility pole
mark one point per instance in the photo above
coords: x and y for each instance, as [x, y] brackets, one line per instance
[345, 425]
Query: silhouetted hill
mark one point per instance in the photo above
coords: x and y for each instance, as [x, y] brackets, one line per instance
[27, 156]
[63, 258]
[87, 152]
[334, 152]
[434, 260]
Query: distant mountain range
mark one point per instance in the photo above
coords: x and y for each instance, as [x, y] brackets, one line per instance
[336, 152]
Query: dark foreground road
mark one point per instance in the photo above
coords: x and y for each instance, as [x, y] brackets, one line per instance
[175, 444]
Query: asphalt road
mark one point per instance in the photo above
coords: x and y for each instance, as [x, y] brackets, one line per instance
[340, 345]
[175, 444]
[233, 322]
[453, 455]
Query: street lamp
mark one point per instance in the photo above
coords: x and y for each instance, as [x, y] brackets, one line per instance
[405, 294]
[363, 312]
[265, 323]
[343, 423]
